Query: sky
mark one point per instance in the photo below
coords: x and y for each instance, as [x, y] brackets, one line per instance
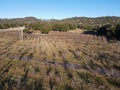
[58, 9]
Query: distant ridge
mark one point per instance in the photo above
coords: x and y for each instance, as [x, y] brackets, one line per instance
[73, 19]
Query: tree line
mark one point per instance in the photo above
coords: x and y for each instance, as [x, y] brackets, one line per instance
[107, 26]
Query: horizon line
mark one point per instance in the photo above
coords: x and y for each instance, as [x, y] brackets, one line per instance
[57, 18]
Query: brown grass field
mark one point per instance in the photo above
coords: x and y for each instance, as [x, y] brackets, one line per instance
[62, 61]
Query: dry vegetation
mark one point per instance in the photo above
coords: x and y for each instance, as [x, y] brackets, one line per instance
[62, 61]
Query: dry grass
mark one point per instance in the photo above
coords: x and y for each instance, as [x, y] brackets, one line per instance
[59, 62]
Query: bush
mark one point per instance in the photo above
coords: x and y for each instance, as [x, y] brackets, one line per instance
[27, 31]
[63, 27]
[43, 27]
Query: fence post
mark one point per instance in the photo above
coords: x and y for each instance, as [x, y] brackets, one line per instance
[21, 34]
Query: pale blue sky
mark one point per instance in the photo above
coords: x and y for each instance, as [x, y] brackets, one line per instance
[58, 9]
